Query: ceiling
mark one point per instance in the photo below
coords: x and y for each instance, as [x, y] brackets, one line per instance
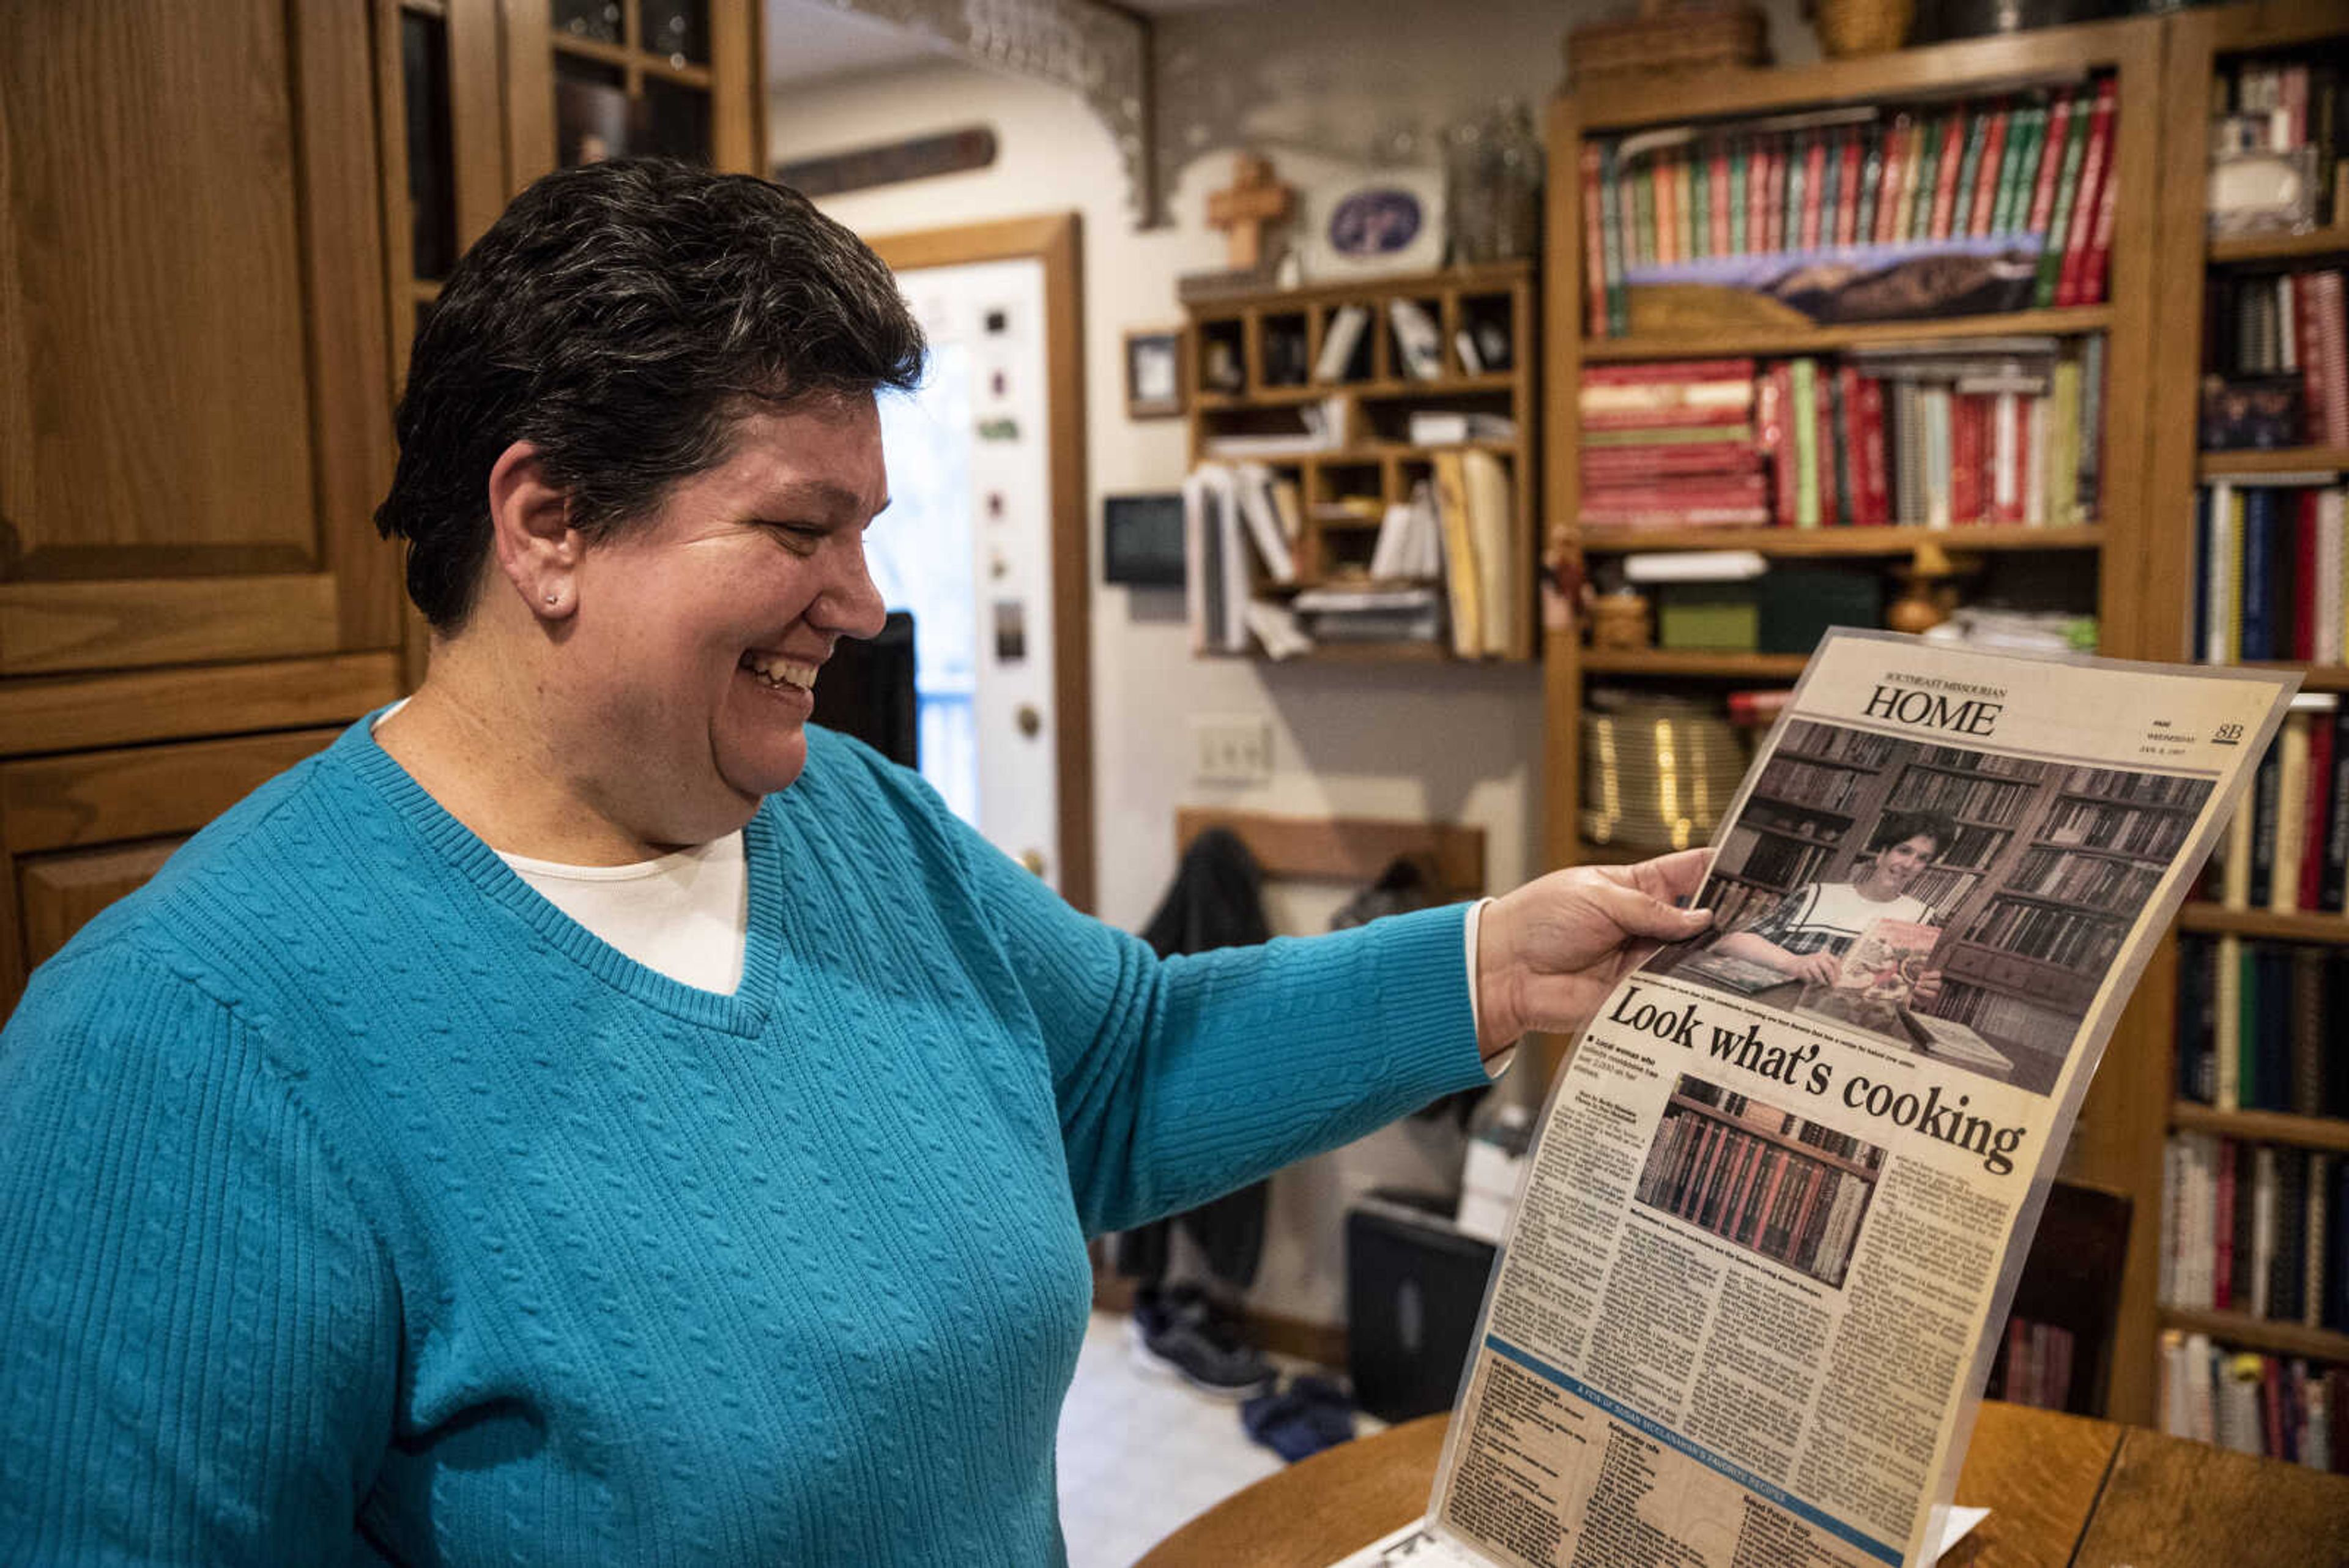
[811, 40]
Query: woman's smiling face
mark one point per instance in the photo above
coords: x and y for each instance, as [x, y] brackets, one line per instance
[692, 658]
[1896, 865]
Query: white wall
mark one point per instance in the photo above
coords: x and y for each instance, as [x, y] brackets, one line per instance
[1312, 83]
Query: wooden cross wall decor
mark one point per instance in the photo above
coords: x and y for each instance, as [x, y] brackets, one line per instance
[1255, 198]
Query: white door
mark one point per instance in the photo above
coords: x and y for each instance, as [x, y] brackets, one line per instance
[967, 546]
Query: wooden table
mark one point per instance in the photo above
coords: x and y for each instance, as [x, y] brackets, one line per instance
[2063, 1492]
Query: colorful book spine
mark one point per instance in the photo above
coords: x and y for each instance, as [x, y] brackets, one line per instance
[1871, 179]
[1594, 240]
[2071, 286]
[1948, 172]
[2059, 218]
[1983, 211]
[1619, 310]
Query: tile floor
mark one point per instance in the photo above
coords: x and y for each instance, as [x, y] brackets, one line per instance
[1141, 1454]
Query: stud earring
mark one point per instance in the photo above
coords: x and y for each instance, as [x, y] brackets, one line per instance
[554, 597]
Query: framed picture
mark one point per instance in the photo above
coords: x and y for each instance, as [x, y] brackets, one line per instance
[1377, 223]
[1153, 373]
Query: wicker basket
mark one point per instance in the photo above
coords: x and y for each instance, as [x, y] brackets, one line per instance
[1697, 39]
[1863, 26]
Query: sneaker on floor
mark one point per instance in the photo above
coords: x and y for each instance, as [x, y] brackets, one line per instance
[1177, 1332]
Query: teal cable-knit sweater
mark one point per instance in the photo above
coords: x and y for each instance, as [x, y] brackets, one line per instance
[356, 1205]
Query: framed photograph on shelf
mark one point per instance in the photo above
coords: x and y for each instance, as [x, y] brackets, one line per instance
[1153, 373]
[1376, 224]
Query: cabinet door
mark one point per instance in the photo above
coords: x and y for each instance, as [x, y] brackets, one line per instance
[194, 397]
[62, 893]
[77, 832]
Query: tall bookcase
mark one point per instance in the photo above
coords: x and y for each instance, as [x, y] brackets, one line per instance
[2201, 44]
[2120, 1122]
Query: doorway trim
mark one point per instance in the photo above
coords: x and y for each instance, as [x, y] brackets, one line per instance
[1055, 240]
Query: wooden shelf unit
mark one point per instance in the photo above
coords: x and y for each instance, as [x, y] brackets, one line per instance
[2133, 50]
[2199, 42]
[1377, 463]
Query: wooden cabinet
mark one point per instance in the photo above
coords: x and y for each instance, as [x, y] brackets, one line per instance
[195, 399]
[219, 225]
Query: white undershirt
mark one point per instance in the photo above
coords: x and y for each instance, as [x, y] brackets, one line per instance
[686, 914]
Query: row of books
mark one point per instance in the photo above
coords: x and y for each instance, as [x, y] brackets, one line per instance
[2280, 106]
[2286, 850]
[1756, 1192]
[2254, 1228]
[2084, 940]
[1799, 783]
[2287, 324]
[2034, 1366]
[1837, 743]
[2272, 561]
[1996, 430]
[2033, 169]
[2271, 1406]
[2254, 1021]
[1453, 546]
[2123, 828]
[1962, 794]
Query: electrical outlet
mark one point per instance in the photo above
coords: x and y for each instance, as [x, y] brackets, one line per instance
[1231, 749]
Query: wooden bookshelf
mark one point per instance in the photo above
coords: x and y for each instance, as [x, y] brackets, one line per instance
[1791, 542]
[2259, 1334]
[1251, 359]
[2200, 43]
[2263, 1127]
[2277, 460]
[2128, 1121]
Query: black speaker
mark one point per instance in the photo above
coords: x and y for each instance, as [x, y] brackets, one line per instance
[1413, 1287]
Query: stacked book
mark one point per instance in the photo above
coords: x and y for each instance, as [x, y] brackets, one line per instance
[1241, 526]
[2254, 1025]
[2274, 1406]
[1672, 445]
[1991, 432]
[2287, 847]
[2026, 177]
[2272, 565]
[2281, 106]
[2257, 1229]
[2285, 325]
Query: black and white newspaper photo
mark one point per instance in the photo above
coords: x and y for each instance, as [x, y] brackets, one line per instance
[1780, 1191]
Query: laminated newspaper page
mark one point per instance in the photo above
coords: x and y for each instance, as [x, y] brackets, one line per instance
[1751, 1291]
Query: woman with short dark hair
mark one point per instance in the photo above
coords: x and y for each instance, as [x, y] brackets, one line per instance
[1806, 932]
[589, 1115]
